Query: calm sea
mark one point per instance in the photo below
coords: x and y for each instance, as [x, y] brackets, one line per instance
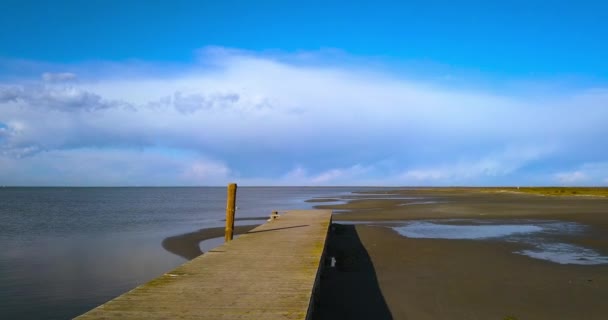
[67, 250]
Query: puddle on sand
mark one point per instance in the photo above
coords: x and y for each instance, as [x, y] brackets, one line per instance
[450, 231]
[564, 253]
[540, 235]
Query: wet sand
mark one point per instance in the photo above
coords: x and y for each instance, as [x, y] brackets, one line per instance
[380, 274]
[187, 245]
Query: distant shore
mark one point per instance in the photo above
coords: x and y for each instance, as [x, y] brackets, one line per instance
[548, 190]
[557, 191]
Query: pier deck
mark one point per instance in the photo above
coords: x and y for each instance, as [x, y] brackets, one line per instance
[268, 273]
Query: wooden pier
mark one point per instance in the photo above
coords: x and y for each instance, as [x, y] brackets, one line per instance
[269, 273]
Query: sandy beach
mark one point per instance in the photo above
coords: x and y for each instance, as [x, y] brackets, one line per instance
[380, 274]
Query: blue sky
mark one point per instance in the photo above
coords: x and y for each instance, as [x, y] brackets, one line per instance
[294, 93]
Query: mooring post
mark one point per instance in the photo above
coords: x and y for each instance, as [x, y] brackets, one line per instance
[230, 209]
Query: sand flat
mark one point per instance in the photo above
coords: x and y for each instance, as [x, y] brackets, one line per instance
[465, 279]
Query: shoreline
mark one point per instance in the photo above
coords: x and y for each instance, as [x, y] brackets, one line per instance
[187, 245]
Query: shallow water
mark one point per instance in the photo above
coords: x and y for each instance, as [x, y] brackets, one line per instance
[448, 231]
[67, 250]
[345, 199]
[543, 236]
[564, 253]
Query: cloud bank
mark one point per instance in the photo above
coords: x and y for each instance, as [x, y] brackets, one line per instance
[291, 119]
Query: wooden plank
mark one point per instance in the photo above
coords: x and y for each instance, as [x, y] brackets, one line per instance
[268, 273]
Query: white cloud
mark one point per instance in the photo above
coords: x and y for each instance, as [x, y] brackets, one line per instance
[202, 172]
[494, 166]
[587, 174]
[9, 93]
[259, 116]
[58, 77]
[188, 104]
[340, 175]
[335, 176]
[569, 178]
[107, 167]
[55, 97]
[425, 175]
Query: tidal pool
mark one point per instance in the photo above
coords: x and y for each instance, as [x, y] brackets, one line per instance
[564, 253]
[449, 231]
[543, 238]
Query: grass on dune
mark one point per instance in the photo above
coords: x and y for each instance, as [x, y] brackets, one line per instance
[551, 191]
[559, 191]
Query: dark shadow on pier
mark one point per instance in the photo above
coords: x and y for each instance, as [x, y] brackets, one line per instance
[275, 229]
[349, 290]
[249, 219]
[187, 245]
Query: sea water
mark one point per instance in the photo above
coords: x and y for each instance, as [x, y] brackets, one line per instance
[67, 250]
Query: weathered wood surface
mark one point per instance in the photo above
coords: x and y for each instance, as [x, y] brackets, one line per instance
[268, 273]
[230, 210]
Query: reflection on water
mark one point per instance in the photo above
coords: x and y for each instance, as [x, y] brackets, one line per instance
[58, 278]
[539, 234]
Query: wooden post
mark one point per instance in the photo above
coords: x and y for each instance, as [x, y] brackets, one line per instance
[230, 209]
